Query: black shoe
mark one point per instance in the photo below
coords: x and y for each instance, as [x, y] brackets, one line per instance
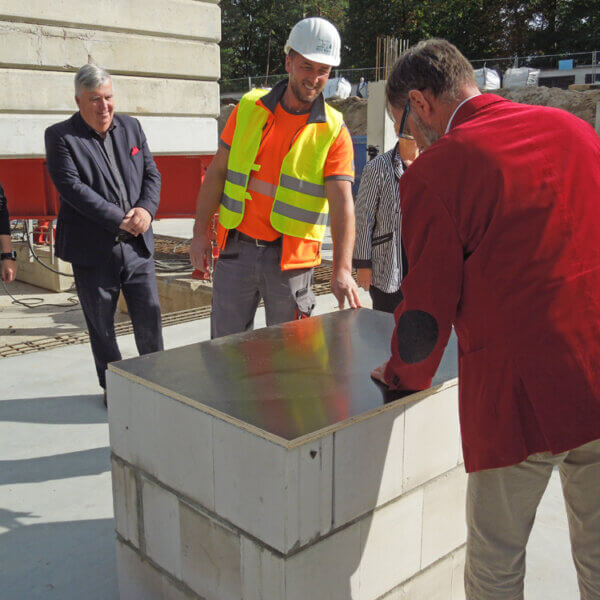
[105, 403]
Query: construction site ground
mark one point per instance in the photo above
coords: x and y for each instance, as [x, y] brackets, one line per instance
[57, 536]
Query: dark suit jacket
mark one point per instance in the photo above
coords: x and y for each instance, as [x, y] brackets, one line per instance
[90, 212]
[501, 222]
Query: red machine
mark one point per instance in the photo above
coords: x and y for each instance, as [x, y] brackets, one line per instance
[32, 195]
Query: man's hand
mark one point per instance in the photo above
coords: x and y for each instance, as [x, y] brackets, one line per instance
[9, 270]
[364, 278]
[378, 373]
[344, 288]
[136, 221]
[200, 252]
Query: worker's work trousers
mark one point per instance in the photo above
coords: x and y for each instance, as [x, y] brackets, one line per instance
[247, 272]
[130, 270]
[501, 507]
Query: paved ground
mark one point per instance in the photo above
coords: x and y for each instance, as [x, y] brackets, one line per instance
[56, 514]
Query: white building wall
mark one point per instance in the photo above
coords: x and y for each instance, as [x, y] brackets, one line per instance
[163, 55]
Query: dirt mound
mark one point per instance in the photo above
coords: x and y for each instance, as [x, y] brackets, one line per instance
[354, 110]
[580, 103]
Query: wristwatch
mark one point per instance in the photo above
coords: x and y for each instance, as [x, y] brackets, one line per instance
[8, 255]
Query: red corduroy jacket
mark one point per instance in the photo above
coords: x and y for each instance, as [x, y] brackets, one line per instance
[501, 227]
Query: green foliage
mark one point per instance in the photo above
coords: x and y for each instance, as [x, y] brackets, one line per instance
[255, 31]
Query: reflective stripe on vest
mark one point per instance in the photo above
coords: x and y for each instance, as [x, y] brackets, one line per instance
[300, 206]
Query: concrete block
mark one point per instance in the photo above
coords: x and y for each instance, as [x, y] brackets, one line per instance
[125, 501]
[250, 483]
[184, 446]
[263, 573]
[328, 569]
[368, 465]
[309, 480]
[29, 270]
[435, 583]
[53, 48]
[391, 545]
[176, 18]
[132, 422]
[167, 438]
[39, 91]
[210, 556]
[161, 527]
[180, 135]
[458, 574]
[23, 135]
[139, 580]
[444, 522]
[177, 291]
[431, 438]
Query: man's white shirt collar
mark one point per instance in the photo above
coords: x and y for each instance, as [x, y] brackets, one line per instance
[456, 110]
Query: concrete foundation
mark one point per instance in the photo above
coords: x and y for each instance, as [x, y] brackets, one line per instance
[267, 465]
[31, 271]
[178, 292]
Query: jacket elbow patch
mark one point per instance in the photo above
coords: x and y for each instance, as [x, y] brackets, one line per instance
[417, 335]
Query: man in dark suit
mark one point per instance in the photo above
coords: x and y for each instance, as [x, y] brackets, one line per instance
[109, 190]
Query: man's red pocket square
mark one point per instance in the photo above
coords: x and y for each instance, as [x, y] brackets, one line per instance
[134, 150]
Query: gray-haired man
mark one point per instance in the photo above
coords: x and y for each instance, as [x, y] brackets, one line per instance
[109, 192]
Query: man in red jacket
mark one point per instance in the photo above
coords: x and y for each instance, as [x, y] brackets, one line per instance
[501, 227]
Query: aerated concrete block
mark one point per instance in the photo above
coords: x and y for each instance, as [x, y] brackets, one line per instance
[162, 532]
[139, 580]
[125, 501]
[166, 438]
[368, 464]
[263, 573]
[309, 491]
[444, 525]
[210, 556]
[250, 483]
[329, 569]
[390, 545]
[431, 437]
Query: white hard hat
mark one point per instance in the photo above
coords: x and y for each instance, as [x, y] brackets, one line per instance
[316, 39]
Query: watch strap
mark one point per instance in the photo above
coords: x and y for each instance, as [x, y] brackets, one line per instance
[8, 255]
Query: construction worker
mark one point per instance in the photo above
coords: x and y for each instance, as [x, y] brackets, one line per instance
[283, 167]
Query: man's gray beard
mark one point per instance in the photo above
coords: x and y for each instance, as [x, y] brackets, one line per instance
[430, 135]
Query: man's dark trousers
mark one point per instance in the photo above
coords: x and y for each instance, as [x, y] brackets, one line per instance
[129, 268]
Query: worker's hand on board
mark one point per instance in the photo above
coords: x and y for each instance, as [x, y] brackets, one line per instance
[201, 252]
[344, 288]
[378, 373]
[363, 277]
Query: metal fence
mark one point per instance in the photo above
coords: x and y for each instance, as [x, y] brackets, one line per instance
[547, 62]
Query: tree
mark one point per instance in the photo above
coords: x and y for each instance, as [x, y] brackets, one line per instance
[255, 32]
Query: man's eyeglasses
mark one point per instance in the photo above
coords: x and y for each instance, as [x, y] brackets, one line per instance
[401, 134]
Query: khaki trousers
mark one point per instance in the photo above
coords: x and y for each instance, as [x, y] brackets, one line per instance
[501, 507]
